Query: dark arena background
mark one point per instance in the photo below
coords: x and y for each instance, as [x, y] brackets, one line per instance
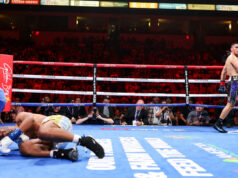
[165, 57]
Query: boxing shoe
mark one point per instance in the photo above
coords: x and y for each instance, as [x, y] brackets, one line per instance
[4, 144]
[93, 145]
[70, 154]
[218, 127]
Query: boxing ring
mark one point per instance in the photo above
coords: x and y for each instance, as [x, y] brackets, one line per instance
[133, 151]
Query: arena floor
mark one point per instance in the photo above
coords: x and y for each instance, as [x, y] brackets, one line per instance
[144, 152]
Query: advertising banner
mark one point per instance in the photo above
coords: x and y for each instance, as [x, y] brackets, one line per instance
[172, 6]
[6, 73]
[146, 5]
[227, 7]
[4, 1]
[55, 2]
[208, 7]
[27, 2]
[113, 4]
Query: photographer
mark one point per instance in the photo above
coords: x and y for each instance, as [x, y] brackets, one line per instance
[45, 110]
[99, 120]
[164, 115]
[199, 117]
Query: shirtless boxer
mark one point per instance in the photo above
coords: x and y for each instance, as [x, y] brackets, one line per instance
[46, 133]
[231, 69]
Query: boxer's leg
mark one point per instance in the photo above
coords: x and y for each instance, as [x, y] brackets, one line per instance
[231, 101]
[40, 148]
[54, 130]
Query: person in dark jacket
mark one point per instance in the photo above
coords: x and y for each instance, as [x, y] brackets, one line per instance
[106, 110]
[136, 115]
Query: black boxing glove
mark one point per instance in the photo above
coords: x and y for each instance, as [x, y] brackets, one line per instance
[222, 88]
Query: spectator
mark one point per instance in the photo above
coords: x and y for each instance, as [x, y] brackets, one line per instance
[46, 110]
[99, 120]
[152, 110]
[199, 117]
[164, 115]
[13, 115]
[56, 110]
[6, 117]
[17, 109]
[187, 109]
[179, 119]
[169, 101]
[106, 110]
[137, 114]
[118, 117]
[69, 111]
[79, 111]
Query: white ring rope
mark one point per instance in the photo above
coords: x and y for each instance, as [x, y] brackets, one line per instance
[140, 94]
[90, 93]
[113, 93]
[114, 79]
[51, 77]
[52, 91]
[207, 95]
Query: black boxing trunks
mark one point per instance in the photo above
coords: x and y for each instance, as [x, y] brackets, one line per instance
[232, 90]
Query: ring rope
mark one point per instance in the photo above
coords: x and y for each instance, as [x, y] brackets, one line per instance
[52, 91]
[51, 104]
[113, 93]
[97, 104]
[117, 65]
[98, 93]
[114, 79]
[140, 94]
[207, 95]
[54, 63]
[115, 105]
[52, 77]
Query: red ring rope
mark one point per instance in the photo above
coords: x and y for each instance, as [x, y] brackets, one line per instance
[117, 65]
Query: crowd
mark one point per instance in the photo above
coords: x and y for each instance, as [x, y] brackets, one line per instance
[139, 115]
[130, 51]
[125, 51]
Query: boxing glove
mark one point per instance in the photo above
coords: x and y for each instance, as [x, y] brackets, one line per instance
[222, 88]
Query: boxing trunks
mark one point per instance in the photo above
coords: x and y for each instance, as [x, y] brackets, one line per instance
[62, 122]
[232, 90]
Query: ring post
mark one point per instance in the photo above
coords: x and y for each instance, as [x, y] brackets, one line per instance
[94, 90]
[186, 84]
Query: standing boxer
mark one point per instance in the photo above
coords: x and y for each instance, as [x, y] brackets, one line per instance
[231, 69]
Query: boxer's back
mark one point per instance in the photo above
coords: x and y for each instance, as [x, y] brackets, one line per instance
[36, 120]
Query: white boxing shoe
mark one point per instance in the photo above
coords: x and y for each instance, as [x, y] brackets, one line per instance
[4, 144]
[4, 149]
